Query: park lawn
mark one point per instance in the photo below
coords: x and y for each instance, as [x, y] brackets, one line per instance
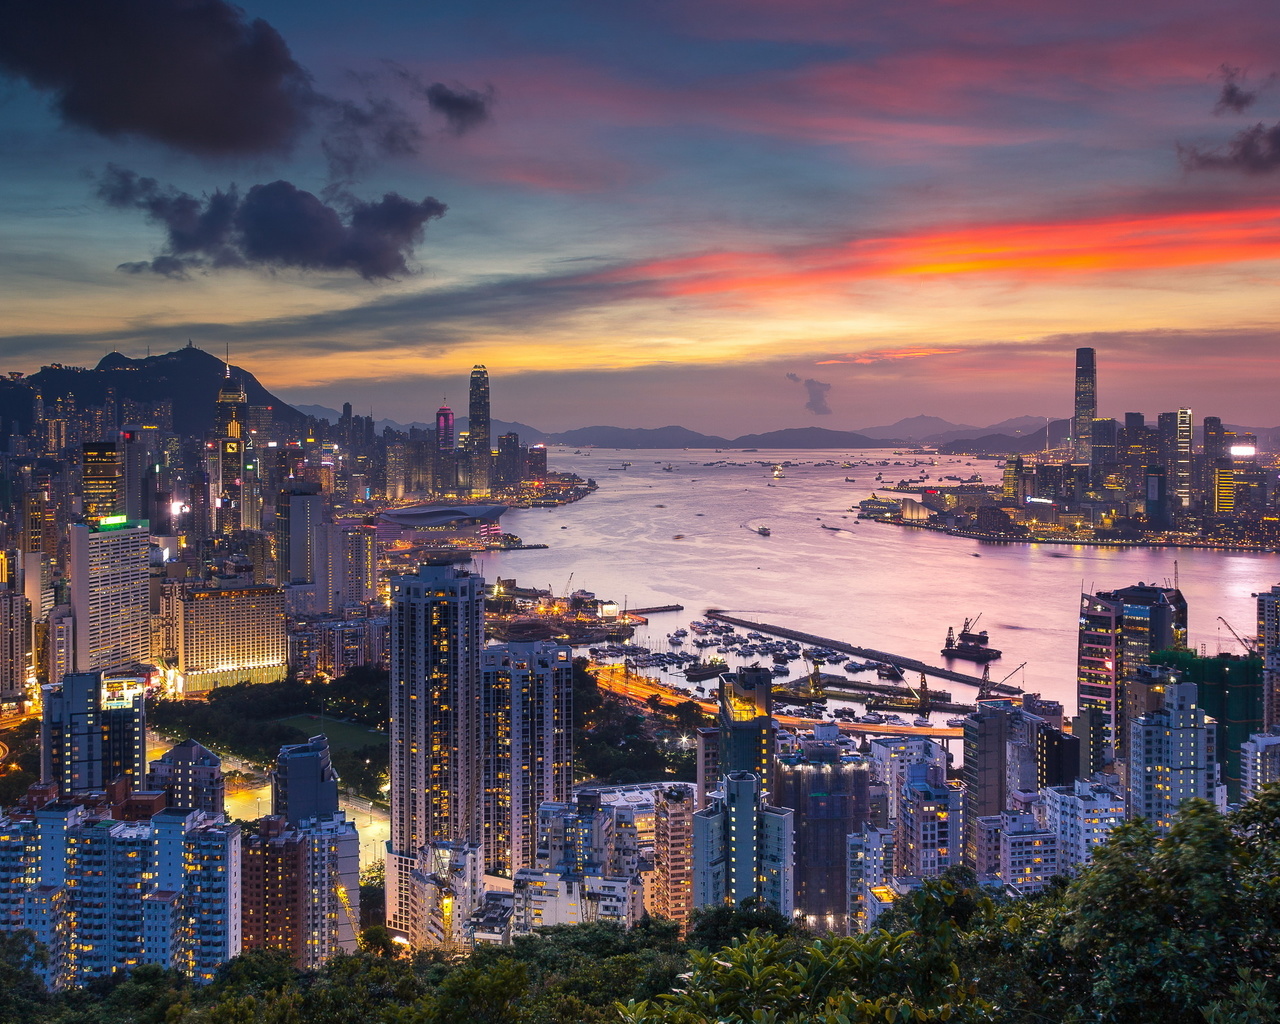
[345, 736]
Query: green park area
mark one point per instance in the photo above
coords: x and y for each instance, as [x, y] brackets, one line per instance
[347, 737]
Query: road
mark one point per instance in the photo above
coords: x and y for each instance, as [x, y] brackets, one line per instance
[638, 688]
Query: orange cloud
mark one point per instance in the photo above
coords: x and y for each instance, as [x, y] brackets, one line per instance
[1016, 251]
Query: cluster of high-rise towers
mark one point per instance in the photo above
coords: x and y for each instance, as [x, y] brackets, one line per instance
[1157, 471]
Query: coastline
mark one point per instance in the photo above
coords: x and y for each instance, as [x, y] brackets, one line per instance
[1080, 541]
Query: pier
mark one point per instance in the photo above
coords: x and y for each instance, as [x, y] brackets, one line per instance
[868, 653]
[655, 611]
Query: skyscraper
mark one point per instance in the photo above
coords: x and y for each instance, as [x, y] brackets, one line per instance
[1120, 630]
[478, 432]
[102, 480]
[437, 632]
[1086, 406]
[191, 775]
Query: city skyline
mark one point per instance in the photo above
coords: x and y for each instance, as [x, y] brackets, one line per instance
[644, 215]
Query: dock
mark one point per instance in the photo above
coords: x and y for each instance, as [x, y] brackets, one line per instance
[846, 689]
[655, 611]
[868, 653]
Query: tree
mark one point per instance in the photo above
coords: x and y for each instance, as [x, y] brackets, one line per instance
[767, 977]
[717, 926]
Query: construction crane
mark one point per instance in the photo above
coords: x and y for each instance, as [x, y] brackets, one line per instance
[1250, 649]
[987, 687]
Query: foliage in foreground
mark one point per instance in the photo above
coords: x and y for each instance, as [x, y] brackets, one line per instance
[1180, 930]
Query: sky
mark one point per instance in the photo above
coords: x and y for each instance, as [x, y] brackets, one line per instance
[733, 215]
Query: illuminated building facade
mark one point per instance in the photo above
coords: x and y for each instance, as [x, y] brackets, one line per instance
[110, 593]
[743, 849]
[930, 832]
[191, 777]
[672, 895]
[437, 634]
[1086, 405]
[830, 798]
[102, 480]
[1172, 758]
[527, 752]
[105, 896]
[479, 440]
[1269, 646]
[1082, 816]
[93, 730]
[1119, 630]
[301, 864]
[220, 636]
[15, 645]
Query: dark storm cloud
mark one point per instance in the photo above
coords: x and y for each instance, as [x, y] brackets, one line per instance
[196, 75]
[276, 225]
[1255, 150]
[201, 77]
[463, 108]
[817, 391]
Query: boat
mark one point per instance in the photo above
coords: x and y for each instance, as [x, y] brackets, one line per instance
[954, 648]
[873, 718]
[889, 672]
[824, 526]
[967, 633]
[777, 472]
[699, 671]
[764, 531]
[921, 723]
[850, 480]
[955, 723]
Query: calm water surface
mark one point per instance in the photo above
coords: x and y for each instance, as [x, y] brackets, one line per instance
[685, 536]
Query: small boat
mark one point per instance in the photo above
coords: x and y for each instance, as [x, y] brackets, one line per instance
[873, 718]
[955, 723]
[921, 723]
[824, 526]
[764, 531]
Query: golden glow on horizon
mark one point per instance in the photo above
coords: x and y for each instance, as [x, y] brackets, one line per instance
[866, 301]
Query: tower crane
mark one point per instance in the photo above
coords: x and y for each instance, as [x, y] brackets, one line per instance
[1250, 649]
[987, 687]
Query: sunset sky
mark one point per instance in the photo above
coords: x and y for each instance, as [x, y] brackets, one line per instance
[652, 213]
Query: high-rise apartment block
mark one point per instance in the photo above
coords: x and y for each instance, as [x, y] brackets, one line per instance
[1172, 758]
[527, 745]
[1269, 647]
[1119, 630]
[437, 631]
[104, 896]
[930, 828]
[1259, 762]
[110, 594]
[829, 794]
[743, 848]
[672, 895]
[15, 645]
[301, 864]
[1082, 816]
[93, 730]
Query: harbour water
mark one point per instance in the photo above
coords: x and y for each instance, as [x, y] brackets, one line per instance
[652, 536]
